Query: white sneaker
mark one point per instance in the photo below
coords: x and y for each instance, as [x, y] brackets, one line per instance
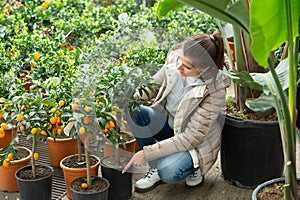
[194, 179]
[148, 182]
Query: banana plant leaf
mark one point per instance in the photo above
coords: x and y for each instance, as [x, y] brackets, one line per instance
[263, 82]
[260, 104]
[234, 12]
[268, 26]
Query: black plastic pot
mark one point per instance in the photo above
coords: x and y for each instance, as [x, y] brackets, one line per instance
[120, 184]
[96, 195]
[268, 183]
[36, 189]
[251, 152]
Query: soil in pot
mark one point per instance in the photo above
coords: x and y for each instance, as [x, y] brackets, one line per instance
[40, 173]
[96, 185]
[72, 169]
[39, 187]
[272, 190]
[72, 162]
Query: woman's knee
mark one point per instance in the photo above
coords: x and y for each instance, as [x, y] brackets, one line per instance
[168, 175]
[141, 116]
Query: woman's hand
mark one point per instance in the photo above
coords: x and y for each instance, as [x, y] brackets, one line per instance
[138, 159]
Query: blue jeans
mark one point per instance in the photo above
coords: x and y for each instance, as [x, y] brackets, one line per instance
[149, 125]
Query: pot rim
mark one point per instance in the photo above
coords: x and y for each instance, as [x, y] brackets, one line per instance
[77, 169]
[35, 180]
[105, 180]
[266, 183]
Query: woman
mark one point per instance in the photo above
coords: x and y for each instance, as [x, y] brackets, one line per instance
[180, 132]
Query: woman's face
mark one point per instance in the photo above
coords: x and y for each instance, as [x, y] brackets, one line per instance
[185, 68]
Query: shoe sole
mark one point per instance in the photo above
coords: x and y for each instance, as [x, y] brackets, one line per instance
[199, 184]
[143, 190]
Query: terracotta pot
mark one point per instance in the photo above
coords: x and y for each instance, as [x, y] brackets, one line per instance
[60, 148]
[130, 145]
[72, 173]
[9, 135]
[8, 180]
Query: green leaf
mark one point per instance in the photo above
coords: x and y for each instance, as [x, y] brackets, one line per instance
[267, 81]
[234, 12]
[260, 104]
[165, 6]
[269, 27]
[262, 81]
[245, 79]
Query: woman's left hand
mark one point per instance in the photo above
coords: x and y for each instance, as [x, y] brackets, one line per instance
[138, 159]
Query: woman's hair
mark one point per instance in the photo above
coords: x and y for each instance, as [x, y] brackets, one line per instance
[204, 50]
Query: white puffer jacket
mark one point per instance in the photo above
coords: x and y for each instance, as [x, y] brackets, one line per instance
[197, 127]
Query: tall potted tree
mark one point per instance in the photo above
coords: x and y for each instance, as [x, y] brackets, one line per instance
[240, 150]
[33, 108]
[84, 126]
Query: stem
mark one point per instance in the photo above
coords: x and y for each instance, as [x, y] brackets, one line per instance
[32, 156]
[88, 162]
[79, 149]
[291, 145]
[289, 154]
[117, 154]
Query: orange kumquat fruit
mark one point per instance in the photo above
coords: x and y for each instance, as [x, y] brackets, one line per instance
[34, 131]
[36, 156]
[87, 109]
[4, 126]
[82, 130]
[110, 124]
[2, 133]
[6, 162]
[57, 120]
[44, 133]
[19, 117]
[53, 120]
[10, 156]
[84, 185]
[75, 107]
[61, 103]
[85, 120]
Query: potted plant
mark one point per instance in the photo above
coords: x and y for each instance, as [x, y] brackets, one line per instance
[12, 158]
[120, 81]
[285, 106]
[10, 86]
[85, 128]
[240, 150]
[59, 143]
[33, 109]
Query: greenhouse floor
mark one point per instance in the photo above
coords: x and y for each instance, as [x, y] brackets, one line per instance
[214, 187]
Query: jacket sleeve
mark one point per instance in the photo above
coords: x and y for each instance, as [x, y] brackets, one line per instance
[198, 126]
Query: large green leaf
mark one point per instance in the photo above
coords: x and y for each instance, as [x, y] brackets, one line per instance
[267, 80]
[269, 27]
[234, 12]
[260, 104]
[262, 81]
